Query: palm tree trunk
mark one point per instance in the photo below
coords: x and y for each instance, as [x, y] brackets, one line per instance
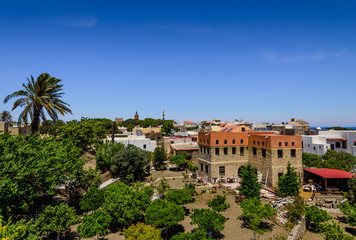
[35, 120]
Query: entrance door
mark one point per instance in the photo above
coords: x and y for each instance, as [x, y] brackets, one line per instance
[332, 146]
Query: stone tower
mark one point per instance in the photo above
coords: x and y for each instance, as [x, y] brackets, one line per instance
[136, 116]
[163, 115]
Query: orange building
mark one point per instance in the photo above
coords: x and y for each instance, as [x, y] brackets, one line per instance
[221, 154]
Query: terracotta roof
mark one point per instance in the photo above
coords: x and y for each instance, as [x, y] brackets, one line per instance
[188, 122]
[336, 139]
[329, 173]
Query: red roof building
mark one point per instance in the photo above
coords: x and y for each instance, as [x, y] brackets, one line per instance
[329, 173]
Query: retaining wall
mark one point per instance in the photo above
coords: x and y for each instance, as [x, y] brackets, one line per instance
[298, 230]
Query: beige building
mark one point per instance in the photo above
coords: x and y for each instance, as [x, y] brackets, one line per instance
[221, 154]
[14, 129]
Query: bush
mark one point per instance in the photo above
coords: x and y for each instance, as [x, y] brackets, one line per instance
[96, 224]
[179, 196]
[218, 203]
[315, 216]
[333, 231]
[142, 231]
[295, 211]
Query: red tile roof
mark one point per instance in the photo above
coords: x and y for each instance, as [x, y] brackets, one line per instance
[329, 173]
[336, 139]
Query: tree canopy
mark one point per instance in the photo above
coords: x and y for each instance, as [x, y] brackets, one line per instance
[130, 160]
[288, 184]
[142, 231]
[105, 153]
[250, 187]
[30, 168]
[159, 156]
[92, 200]
[219, 203]
[208, 220]
[96, 224]
[179, 196]
[164, 214]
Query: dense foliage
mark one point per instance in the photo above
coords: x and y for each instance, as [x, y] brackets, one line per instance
[164, 214]
[314, 216]
[31, 167]
[333, 231]
[105, 153]
[197, 234]
[219, 203]
[142, 231]
[331, 159]
[96, 224]
[130, 160]
[127, 204]
[55, 219]
[253, 214]
[208, 220]
[288, 184]
[178, 160]
[179, 196]
[159, 156]
[250, 187]
[295, 211]
[92, 200]
[352, 189]
[349, 210]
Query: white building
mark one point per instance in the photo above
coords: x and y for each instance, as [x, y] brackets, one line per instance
[335, 140]
[137, 139]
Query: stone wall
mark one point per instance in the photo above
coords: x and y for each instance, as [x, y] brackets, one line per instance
[298, 230]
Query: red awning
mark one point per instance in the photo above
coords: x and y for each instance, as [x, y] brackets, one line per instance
[329, 173]
[336, 139]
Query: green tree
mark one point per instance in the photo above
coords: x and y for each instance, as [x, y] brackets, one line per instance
[352, 189]
[192, 167]
[315, 216]
[288, 184]
[167, 127]
[105, 153]
[130, 160]
[349, 210]
[178, 160]
[142, 231]
[250, 187]
[50, 127]
[312, 160]
[197, 234]
[5, 116]
[333, 231]
[179, 196]
[38, 95]
[163, 187]
[253, 214]
[208, 220]
[295, 211]
[190, 187]
[92, 200]
[219, 204]
[30, 168]
[56, 219]
[96, 224]
[13, 230]
[338, 160]
[164, 214]
[127, 204]
[159, 156]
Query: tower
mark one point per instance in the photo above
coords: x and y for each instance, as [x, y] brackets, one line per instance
[136, 116]
[163, 115]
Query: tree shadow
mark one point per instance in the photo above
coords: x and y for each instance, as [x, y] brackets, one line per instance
[187, 211]
[264, 225]
[341, 219]
[351, 230]
[218, 235]
[172, 231]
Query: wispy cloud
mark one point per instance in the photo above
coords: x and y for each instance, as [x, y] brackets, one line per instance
[74, 21]
[310, 57]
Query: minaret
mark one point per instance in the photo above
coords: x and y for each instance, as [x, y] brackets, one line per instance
[163, 115]
[136, 116]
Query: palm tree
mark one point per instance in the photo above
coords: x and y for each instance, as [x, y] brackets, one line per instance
[37, 96]
[5, 116]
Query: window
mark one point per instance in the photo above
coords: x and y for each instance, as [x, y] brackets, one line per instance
[206, 169]
[241, 151]
[216, 151]
[242, 141]
[207, 141]
[217, 141]
[225, 151]
[319, 147]
[292, 143]
[258, 143]
[204, 140]
[201, 149]
[201, 167]
[355, 143]
[308, 145]
[208, 151]
[254, 142]
[225, 141]
[344, 144]
[254, 151]
[263, 143]
[233, 141]
[337, 145]
[280, 153]
[242, 129]
[200, 140]
[264, 153]
[292, 153]
[222, 170]
[144, 146]
[286, 143]
[204, 149]
[234, 150]
[280, 143]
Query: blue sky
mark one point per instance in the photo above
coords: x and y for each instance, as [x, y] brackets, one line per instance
[263, 61]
